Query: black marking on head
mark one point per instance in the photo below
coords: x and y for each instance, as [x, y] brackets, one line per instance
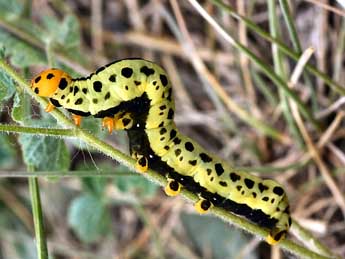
[163, 79]
[50, 76]
[211, 179]
[166, 147]
[55, 102]
[126, 121]
[137, 83]
[112, 78]
[36, 90]
[63, 83]
[107, 96]
[219, 169]
[63, 97]
[205, 158]
[154, 83]
[162, 138]
[265, 198]
[278, 190]
[239, 187]
[157, 87]
[163, 131]
[126, 72]
[161, 124]
[84, 90]
[243, 192]
[177, 141]
[76, 90]
[249, 183]
[95, 101]
[209, 171]
[181, 158]
[189, 146]
[78, 101]
[174, 185]
[222, 183]
[126, 87]
[37, 79]
[254, 194]
[173, 133]
[162, 107]
[170, 114]
[147, 71]
[262, 187]
[192, 162]
[177, 152]
[161, 113]
[97, 86]
[272, 200]
[68, 100]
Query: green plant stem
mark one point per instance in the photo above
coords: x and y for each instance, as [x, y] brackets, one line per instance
[279, 69]
[284, 6]
[13, 128]
[156, 177]
[335, 86]
[41, 244]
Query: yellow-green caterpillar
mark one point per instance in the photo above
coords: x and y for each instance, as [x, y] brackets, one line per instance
[136, 95]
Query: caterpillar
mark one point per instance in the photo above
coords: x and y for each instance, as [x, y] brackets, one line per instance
[136, 95]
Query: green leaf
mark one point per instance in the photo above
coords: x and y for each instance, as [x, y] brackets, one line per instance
[44, 153]
[217, 238]
[21, 54]
[7, 152]
[134, 184]
[7, 87]
[88, 218]
[18, 113]
[65, 33]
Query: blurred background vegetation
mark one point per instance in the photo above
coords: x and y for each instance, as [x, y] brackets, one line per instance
[231, 103]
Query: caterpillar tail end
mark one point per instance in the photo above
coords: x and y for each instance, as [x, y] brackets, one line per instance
[202, 206]
[172, 188]
[142, 164]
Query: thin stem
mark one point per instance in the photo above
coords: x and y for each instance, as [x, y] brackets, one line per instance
[335, 86]
[41, 244]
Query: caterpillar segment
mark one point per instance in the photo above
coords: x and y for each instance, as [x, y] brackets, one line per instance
[136, 95]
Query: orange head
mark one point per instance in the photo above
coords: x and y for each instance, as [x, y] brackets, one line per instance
[47, 82]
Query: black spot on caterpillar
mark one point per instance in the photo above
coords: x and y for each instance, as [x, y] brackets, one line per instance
[136, 95]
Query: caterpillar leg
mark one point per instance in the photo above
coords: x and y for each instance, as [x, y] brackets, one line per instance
[76, 119]
[123, 121]
[274, 237]
[109, 123]
[142, 163]
[202, 206]
[172, 188]
[49, 107]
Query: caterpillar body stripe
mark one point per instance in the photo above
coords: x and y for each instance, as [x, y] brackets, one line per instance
[136, 95]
